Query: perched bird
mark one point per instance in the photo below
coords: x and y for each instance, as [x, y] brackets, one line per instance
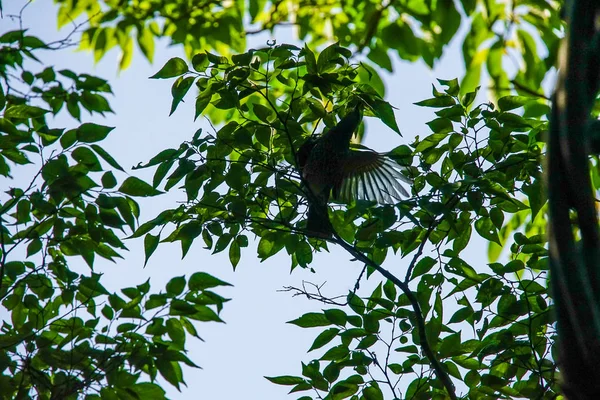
[329, 166]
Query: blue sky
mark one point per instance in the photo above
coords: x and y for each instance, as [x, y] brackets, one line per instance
[255, 341]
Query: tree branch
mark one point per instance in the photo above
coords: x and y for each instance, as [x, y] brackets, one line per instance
[575, 279]
[441, 374]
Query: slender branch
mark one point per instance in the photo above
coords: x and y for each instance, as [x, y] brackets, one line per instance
[313, 295]
[383, 370]
[441, 374]
[413, 262]
[575, 279]
[372, 26]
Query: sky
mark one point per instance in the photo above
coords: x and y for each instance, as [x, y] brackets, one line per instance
[255, 341]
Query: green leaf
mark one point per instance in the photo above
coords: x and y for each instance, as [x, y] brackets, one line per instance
[487, 230]
[384, 111]
[336, 316]
[179, 90]
[452, 86]
[311, 320]
[187, 233]
[508, 103]
[170, 370]
[174, 67]
[34, 247]
[462, 240]
[473, 74]
[150, 245]
[216, 60]
[367, 74]
[367, 342]
[514, 266]
[379, 56]
[285, 380]
[145, 40]
[222, 243]
[204, 313]
[147, 390]
[336, 353]
[311, 60]
[200, 62]
[94, 103]
[136, 187]
[407, 349]
[73, 106]
[126, 327]
[450, 345]
[181, 307]
[92, 286]
[440, 126]
[441, 101]
[68, 138]
[234, 253]
[423, 266]
[202, 102]
[85, 156]
[304, 254]
[202, 281]
[470, 97]
[8, 127]
[269, 245]
[536, 195]
[33, 42]
[329, 57]
[461, 315]
[332, 371]
[90, 132]
[242, 59]
[108, 180]
[12, 36]
[24, 111]
[467, 362]
[494, 251]
[497, 217]
[389, 289]
[371, 322]
[353, 333]
[356, 303]
[324, 337]
[175, 286]
[372, 392]
[265, 114]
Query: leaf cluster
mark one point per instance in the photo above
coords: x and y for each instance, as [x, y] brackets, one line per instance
[480, 167]
[66, 334]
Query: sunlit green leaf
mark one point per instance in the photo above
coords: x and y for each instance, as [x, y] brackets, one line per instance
[174, 67]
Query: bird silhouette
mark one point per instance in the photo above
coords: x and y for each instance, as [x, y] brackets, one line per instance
[330, 168]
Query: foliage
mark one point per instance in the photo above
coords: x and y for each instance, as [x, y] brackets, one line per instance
[67, 334]
[480, 166]
[499, 32]
[436, 328]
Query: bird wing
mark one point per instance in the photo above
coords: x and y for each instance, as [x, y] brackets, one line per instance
[371, 176]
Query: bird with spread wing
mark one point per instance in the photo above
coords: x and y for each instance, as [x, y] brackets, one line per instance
[330, 167]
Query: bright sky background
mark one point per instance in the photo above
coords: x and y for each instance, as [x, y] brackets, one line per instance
[255, 341]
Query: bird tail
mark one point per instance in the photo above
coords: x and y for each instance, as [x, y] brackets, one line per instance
[317, 222]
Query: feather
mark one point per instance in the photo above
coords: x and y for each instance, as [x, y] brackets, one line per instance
[371, 176]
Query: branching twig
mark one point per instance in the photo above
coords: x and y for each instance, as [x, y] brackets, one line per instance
[441, 374]
[313, 295]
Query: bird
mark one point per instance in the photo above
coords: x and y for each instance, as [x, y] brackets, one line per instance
[330, 168]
